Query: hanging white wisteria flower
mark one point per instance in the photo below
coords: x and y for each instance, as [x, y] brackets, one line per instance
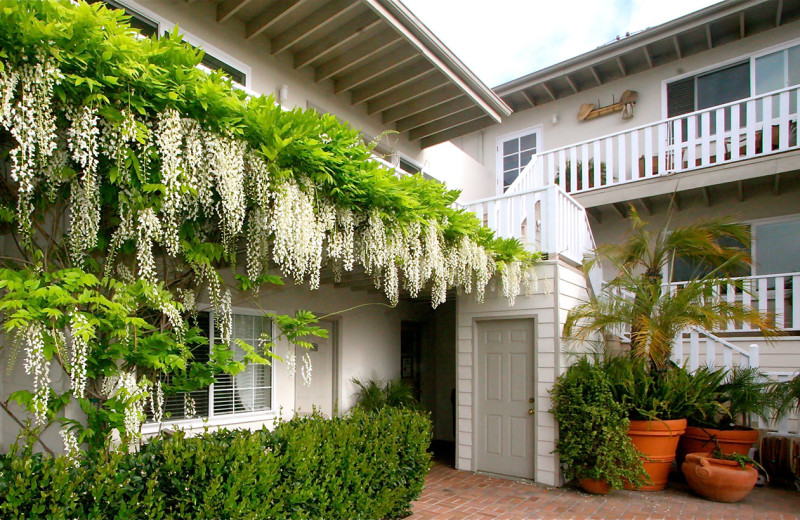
[157, 402]
[33, 126]
[37, 366]
[291, 361]
[148, 231]
[410, 251]
[258, 179]
[298, 233]
[227, 168]
[189, 406]
[371, 244]
[197, 158]
[511, 279]
[169, 141]
[258, 242]
[134, 394]
[80, 331]
[71, 448]
[305, 370]
[82, 141]
[341, 242]
[8, 86]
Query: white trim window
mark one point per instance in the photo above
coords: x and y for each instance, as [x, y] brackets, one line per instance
[514, 152]
[759, 73]
[248, 392]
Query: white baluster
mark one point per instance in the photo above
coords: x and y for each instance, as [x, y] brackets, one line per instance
[610, 161]
[751, 125]
[736, 135]
[585, 175]
[598, 164]
[705, 135]
[648, 151]
[720, 134]
[662, 148]
[573, 170]
[780, 297]
[634, 155]
[727, 357]
[623, 171]
[766, 133]
[783, 123]
[691, 140]
[694, 350]
[711, 353]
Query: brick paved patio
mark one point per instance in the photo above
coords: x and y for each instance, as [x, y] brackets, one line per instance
[456, 495]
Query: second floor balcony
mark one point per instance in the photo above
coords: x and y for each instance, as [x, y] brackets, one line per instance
[744, 130]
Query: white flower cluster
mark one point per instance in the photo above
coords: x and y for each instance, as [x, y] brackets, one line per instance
[134, 394]
[82, 140]
[228, 171]
[305, 370]
[31, 121]
[71, 447]
[341, 242]
[149, 231]
[157, 402]
[511, 277]
[80, 331]
[38, 366]
[291, 361]
[169, 141]
[189, 407]
[298, 233]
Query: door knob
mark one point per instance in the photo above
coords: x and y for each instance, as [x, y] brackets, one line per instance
[531, 411]
[530, 400]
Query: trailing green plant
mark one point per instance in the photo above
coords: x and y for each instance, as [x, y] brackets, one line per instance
[593, 437]
[360, 466]
[376, 393]
[131, 179]
[640, 301]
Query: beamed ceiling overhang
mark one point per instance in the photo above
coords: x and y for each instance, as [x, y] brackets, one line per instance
[694, 33]
[380, 56]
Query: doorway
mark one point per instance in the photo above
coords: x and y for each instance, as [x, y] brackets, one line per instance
[505, 390]
[321, 393]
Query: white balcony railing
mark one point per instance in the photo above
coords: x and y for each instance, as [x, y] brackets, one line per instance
[775, 294]
[546, 219]
[744, 129]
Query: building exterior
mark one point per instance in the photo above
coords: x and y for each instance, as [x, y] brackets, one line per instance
[695, 138]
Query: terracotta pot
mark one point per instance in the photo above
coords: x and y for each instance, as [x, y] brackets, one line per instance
[719, 480]
[701, 440]
[595, 486]
[657, 440]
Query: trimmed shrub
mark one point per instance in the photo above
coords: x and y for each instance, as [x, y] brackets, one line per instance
[365, 465]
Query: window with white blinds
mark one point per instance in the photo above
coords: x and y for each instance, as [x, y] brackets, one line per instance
[246, 392]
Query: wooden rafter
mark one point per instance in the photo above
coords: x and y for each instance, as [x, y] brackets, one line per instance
[374, 69]
[648, 56]
[316, 21]
[336, 39]
[392, 81]
[571, 84]
[596, 75]
[421, 104]
[270, 17]
[621, 66]
[709, 39]
[677, 45]
[549, 92]
[227, 9]
[357, 55]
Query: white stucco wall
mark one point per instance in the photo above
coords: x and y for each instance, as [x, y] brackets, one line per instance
[650, 107]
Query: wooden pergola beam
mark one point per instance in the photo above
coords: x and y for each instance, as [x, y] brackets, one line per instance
[317, 20]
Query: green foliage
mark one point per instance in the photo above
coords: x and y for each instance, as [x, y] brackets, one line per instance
[375, 394]
[361, 466]
[668, 393]
[785, 397]
[639, 300]
[593, 437]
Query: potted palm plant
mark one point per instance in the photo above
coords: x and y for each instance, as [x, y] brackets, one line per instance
[593, 444]
[639, 302]
[741, 394]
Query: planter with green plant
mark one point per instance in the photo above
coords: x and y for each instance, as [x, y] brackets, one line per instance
[741, 393]
[593, 443]
[638, 302]
[719, 476]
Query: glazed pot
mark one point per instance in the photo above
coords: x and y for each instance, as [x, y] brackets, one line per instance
[657, 440]
[595, 486]
[719, 480]
[701, 440]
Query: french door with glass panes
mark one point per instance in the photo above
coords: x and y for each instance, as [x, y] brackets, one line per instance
[514, 152]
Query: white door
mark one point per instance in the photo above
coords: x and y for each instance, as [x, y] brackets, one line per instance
[322, 390]
[505, 391]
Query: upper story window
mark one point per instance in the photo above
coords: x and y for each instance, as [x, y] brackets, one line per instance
[146, 26]
[778, 70]
[209, 62]
[752, 76]
[514, 152]
[246, 392]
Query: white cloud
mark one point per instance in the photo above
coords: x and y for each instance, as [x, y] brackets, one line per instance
[504, 39]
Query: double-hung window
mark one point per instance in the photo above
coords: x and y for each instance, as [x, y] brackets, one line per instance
[249, 391]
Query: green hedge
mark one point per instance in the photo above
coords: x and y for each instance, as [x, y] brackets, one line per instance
[366, 465]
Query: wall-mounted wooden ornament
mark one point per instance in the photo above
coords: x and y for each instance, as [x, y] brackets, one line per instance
[625, 104]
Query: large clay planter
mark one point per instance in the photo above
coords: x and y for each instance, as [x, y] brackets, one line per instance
[597, 487]
[719, 480]
[657, 441]
[701, 440]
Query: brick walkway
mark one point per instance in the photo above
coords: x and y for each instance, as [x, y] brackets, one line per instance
[456, 495]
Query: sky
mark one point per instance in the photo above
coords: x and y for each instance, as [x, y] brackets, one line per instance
[500, 40]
